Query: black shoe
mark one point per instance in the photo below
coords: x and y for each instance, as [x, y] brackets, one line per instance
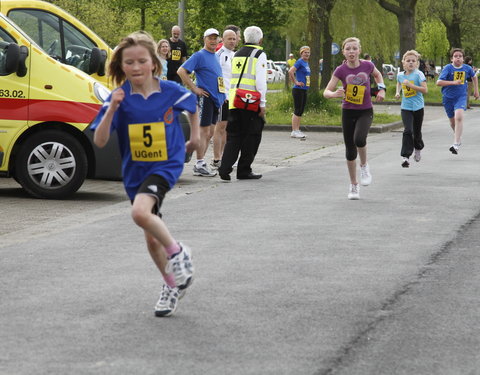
[225, 177]
[405, 163]
[250, 176]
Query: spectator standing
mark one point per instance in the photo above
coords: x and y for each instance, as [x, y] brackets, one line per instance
[244, 128]
[300, 75]
[291, 61]
[178, 54]
[453, 81]
[210, 90]
[225, 55]
[413, 84]
[237, 31]
[144, 112]
[163, 51]
[357, 110]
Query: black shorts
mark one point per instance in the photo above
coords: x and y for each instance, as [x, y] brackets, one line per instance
[299, 101]
[155, 186]
[224, 111]
[208, 112]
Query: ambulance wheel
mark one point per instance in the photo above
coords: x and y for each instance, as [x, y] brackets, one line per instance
[51, 164]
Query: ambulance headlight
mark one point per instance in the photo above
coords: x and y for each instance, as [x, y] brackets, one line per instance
[101, 92]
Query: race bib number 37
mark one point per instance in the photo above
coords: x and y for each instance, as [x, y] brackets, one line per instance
[355, 94]
[459, 76]
[148, 142]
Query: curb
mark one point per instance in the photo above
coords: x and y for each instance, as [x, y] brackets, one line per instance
[332, 128]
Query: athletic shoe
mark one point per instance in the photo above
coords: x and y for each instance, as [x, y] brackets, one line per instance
[203, 170]
[405, 163]
[215, 164]
[354, 192]
[297, 134]
[454, 148]
[417, 155]
[182, 268]
[167, 303]
[365, 176]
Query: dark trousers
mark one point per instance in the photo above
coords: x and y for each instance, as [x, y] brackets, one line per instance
[244, 134]
[412, 135]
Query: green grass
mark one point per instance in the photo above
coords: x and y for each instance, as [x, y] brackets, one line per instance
[320, 111]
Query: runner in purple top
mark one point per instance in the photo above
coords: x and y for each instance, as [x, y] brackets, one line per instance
[357, 112]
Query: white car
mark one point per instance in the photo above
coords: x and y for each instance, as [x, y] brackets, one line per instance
[281, 74]
[272, 72]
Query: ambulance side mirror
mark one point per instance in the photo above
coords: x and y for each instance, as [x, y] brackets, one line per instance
[15, 57]
[96, 60]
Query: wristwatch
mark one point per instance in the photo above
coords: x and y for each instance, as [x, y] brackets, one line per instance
[381, 86]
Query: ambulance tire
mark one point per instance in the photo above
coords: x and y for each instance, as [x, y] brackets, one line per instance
[51, 164]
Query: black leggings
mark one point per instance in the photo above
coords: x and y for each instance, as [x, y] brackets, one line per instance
[355, 125]
[412, 135]
[299, 101]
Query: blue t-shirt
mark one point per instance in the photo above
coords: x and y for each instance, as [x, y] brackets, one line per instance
[451, 73]
[412, 100]
[149, 134]
[302, 74]
[208, 73]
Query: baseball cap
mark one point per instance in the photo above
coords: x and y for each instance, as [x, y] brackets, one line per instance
[210, 32]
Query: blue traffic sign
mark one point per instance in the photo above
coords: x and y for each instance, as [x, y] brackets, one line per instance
[335, 48]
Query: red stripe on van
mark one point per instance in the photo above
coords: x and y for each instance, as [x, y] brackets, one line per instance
[48, 110]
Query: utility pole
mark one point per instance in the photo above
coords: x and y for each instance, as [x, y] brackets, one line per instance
[181, 18]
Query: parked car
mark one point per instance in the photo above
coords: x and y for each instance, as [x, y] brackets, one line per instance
[282, 65]
[281, 73]
[389, 71]
[272, 73]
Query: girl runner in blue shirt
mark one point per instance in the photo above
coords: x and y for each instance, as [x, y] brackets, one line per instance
[413, 84]
[144, 111]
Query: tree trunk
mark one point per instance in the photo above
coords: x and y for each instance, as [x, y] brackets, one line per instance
[405, 12]
[314, 33]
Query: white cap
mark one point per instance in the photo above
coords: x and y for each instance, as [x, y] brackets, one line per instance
[211, 32]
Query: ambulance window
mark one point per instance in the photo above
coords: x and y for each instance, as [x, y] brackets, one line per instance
[57, 37]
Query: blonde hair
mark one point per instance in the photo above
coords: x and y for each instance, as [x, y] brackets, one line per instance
[138, 38]
[304, 48]
[412, 52]
[159, 45]
[351, 39]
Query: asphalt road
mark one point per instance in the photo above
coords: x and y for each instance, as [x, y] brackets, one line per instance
[291, 277]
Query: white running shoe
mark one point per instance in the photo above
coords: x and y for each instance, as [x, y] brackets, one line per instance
[182, 268]
[204, 171]
[417, 155]
[354, 192]
[167, 303]
[365, 175]
[297, 134]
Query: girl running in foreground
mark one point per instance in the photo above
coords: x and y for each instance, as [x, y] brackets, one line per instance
[144, 111]
[357, 111]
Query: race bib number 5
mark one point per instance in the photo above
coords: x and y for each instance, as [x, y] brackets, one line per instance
[459, 76]
[148, 142]
[355, 94]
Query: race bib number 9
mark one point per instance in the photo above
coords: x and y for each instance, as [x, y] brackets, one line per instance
[408, 92]
[459, 76]
[355, 94]
[176, 54]
[148, 142]
[308, 81]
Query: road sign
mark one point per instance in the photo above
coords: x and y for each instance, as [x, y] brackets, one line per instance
[335, 48]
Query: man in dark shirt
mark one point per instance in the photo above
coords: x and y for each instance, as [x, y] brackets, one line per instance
[178, 55]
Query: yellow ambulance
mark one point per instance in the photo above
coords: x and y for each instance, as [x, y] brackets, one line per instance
[45, 110]
[61, 35]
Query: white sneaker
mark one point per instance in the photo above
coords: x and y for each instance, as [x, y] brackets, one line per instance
[365, 176]
[417, 155]
[297, 134]
[203, 170]
[182, 268]
[354, 192]
[167, 303]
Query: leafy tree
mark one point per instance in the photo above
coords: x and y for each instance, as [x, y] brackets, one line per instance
[432, 41]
